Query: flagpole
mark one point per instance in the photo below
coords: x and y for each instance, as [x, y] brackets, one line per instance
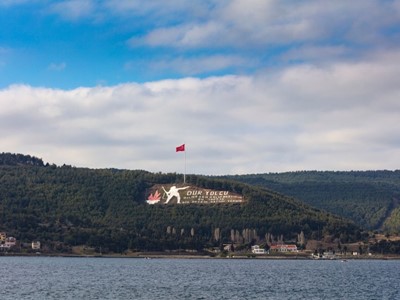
[179, 149]
[184, 174]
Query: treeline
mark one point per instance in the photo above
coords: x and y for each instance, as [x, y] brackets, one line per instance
[19, 159]
[369, 198]
[106, 209]
[386, 247]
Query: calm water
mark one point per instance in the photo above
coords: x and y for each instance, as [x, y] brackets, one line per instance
[123, 278]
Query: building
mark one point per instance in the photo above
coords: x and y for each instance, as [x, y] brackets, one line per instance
[36, 245]
[10, 242]
[257, 250]
[283, 248]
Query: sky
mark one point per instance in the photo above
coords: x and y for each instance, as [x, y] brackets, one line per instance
[249, 86]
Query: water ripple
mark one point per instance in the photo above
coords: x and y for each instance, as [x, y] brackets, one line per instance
[122, 278]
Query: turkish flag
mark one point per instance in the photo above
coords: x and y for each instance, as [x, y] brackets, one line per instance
[180, 148]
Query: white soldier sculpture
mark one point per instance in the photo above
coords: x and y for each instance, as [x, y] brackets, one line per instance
[174, 192]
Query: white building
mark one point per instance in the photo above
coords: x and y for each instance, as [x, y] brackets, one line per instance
[10, 242]
[257, 250]
[36, 245]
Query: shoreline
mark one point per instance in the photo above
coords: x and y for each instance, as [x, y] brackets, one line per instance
[153, 255]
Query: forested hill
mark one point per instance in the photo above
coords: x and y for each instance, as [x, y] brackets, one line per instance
[10, 159]
[106, 208]
[369, 198]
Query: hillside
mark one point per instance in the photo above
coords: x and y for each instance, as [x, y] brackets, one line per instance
[370, 198]
[106, 208]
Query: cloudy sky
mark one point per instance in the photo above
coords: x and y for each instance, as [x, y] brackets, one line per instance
[250, 86]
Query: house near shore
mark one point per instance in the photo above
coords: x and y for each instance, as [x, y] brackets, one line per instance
[257, 250]
[11, 241]
[8, 243]
[283, 248]
[35, 245]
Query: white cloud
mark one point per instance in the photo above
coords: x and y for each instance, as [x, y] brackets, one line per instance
[73, 9]
[154, 7]
[13, 2]
[264, 32]
[318, 54]
[260, 23]
[57, 66]
[191, 66]
[339, 117]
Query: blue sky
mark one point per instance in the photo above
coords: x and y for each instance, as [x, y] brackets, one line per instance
[67, 44]
[249, 85]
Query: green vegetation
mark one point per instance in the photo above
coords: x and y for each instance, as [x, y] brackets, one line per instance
[386, 246]
[370, 198]
[105, 209]
[393, 221]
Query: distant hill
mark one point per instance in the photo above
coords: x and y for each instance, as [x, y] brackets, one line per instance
[369, 198]
[106, 209]
[9, 159]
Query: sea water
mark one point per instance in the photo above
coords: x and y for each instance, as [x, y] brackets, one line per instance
[134, 278]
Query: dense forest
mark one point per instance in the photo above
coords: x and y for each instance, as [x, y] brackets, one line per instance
[369, 198]
[64, 206]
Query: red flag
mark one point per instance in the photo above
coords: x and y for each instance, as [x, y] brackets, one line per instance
[180, 148]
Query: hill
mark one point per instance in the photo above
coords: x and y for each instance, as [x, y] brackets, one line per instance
[369, 198]
[106, 209]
